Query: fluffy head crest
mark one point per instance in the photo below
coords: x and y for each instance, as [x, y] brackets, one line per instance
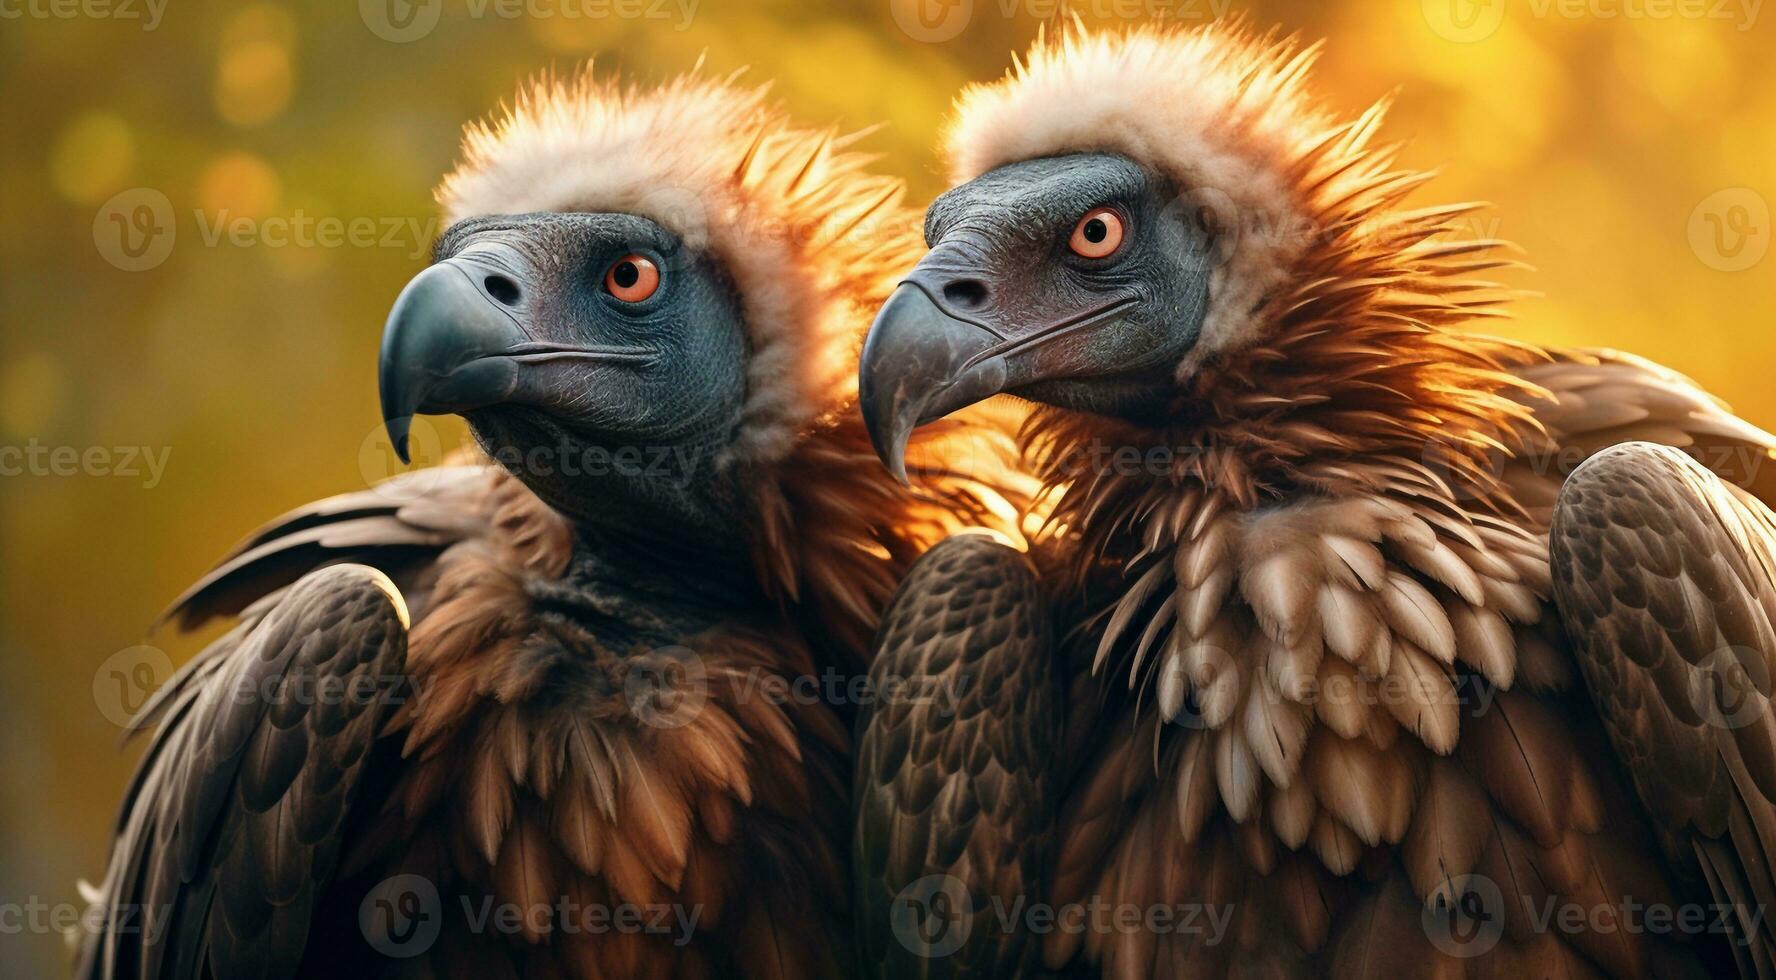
[1335, 316]
[812, 239]
[815, 243]
[1224, 114]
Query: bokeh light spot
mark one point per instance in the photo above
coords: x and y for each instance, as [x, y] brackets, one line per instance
[239, 185]
[253, 83]
[254, 78]
[93, 157]
[261, 22]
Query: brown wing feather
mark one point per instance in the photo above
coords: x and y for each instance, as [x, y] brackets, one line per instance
[398, 526]
[1593, 399]
[232, 828]
[1665, 577]
[955, 793]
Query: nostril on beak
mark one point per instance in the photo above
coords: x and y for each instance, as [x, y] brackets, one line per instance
[502, 289]
[966, 293]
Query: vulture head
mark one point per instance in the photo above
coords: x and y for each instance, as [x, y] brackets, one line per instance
[1069, 280]
[1159, 230]
[596, 353]
[648, 306]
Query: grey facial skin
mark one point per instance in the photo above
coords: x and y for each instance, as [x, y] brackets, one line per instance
[1003, 304]
[514, 328]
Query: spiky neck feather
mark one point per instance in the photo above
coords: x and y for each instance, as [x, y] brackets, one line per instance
[1334, 352]
[1364, 379]
[1329, 406]
[1324, 508]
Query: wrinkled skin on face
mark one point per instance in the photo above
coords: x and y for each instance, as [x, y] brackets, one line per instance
[1005, 303]
[610, 394]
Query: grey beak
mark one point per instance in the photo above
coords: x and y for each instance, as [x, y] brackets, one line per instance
[919, 364]
[445, 348]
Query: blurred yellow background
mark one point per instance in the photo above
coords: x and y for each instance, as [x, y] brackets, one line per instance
[1629, 145]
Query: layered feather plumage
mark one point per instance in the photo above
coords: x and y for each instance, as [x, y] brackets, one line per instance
[1318, 674]
[525, 768]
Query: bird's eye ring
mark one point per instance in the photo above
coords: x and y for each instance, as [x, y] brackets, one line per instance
[632, 278]
[1098, 234]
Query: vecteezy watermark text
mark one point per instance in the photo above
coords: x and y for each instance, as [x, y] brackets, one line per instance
[669, 687]
[302, 230]
[1472, 21]
[34, 916]
[147, 11]
[404, 21]
[403, 916]
[934, 916]
[147, 463]
[936, 21]
[136, 230]
[1466, 919]
[676, 922]
[1742, 14]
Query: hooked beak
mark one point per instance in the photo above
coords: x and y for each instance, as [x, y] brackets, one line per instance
[441, 350]
[919, 364]
[452, 345]
[923, 359]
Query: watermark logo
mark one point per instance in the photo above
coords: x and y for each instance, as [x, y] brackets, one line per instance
[300, 229]
[1464, 21]
[400, 21]
[148, 12]
[1202, 697]
[135, 229]
[936, 915]
[666, 687]
[684, 213]
[1466, 918]
[405, 21]
[39, 459]
[1722, 690]
[36, 916]
[402, 916]
[1217, 224]
[937, 21]
[378, 463]
[1188, 696]
[932, 21]
[1743, 14]
[932, 916]
[127, 679]
[1472, 21]
[1471, 468]
[1730, 230]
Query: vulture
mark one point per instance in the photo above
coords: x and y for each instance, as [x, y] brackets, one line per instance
[561, 709]
[1352, 641]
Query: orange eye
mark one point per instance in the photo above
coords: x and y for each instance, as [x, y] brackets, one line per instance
[632, 278]
[1098, 234]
